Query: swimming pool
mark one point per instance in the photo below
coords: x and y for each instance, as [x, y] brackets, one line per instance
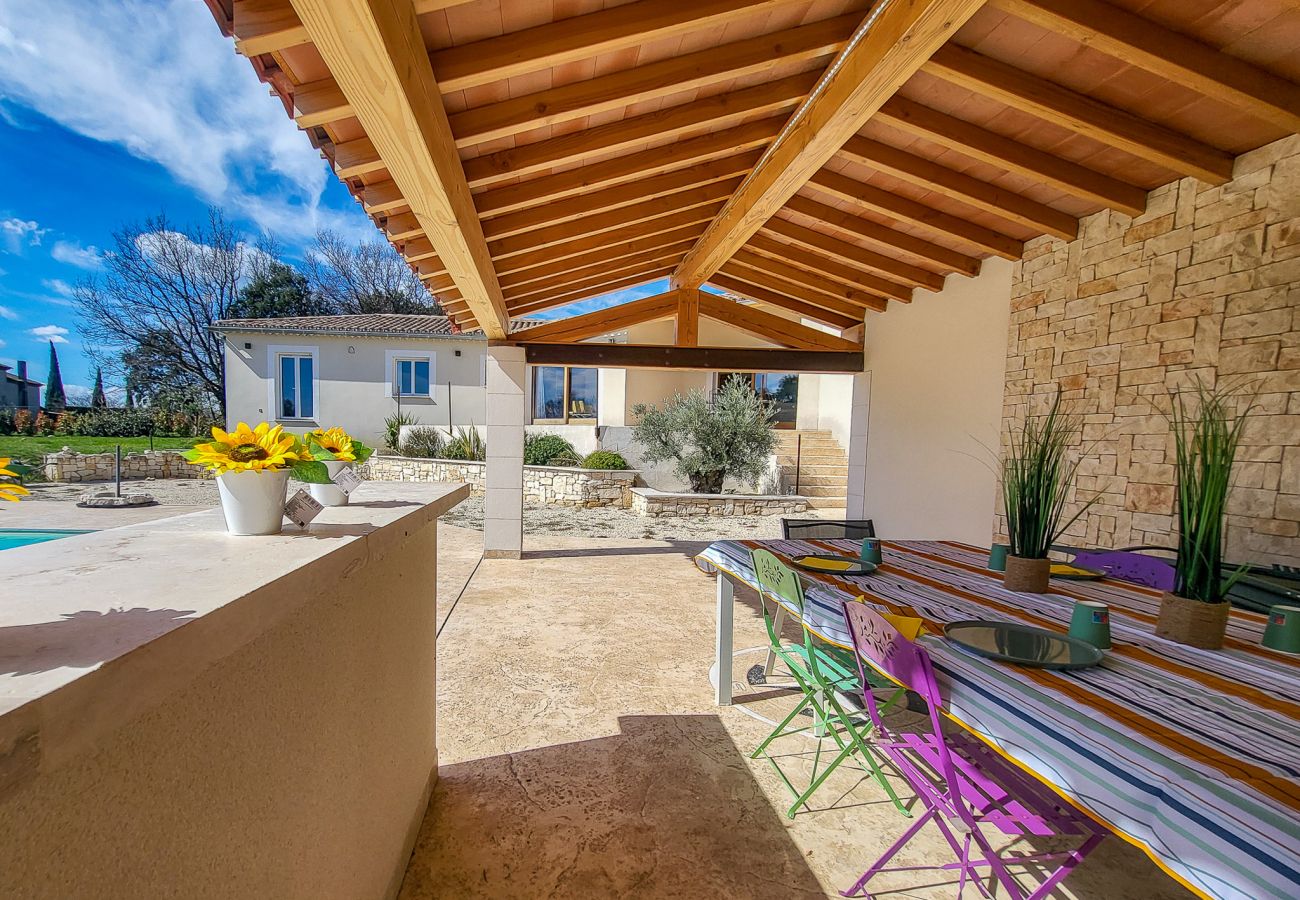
[21, 537]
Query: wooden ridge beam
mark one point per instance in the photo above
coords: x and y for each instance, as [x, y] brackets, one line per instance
[892, 43]
[602, 321]
[609, 245]
[923, 173]
[707, 359]
[651, 81]
[824, 267]
[856, 256]
[1080, 113]
[591, 263]
[781, 301]
[686, 326]
[800, 291]
[902, 209]
[1012, 156]
[619, 196]
[861, 295]
[531, 292]
[582, 37]
[927, 252]
[1173, 56]
[715, 112]
[633, 166]
[375, 51]
[770, 327]
[590, 293]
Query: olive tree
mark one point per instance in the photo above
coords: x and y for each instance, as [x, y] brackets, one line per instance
[710, 438]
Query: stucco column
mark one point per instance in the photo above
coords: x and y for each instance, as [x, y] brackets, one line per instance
[503, 503]
[855, 504]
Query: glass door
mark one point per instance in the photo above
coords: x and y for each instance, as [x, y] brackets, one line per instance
[781, 389]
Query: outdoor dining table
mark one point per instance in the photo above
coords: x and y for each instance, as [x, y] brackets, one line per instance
[1192, 755]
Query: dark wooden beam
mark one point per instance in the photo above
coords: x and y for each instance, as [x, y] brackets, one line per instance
[709, 359]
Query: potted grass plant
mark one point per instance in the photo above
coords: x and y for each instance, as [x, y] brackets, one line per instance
[1037, 472]
[1207, 425]
[337, 450]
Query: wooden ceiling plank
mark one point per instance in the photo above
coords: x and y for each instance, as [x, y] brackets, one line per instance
[777, 329]
[686, 326]
[716, 112]
[862, 294]
[799, 291]
[652, 81]
[582, 37]
[376, 52]
[892, 43]
[903, 209]
[924, 173]
[614, 244]
[854, 255]
[588, 293]
[319, 103]
[633, 166]
[603, 321]
[773, 298]
[619, 196]
[1012, 156]
[1164, 52]
[382, 197]
[265, 26]
[1080, 113]
[815, 263]
[591, 264]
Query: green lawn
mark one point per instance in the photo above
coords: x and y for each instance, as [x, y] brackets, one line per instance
[30, 448]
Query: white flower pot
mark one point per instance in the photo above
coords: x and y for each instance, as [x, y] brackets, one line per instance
[328, 494]
[253, 502]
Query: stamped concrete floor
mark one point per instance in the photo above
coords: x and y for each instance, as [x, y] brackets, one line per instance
[581, 754]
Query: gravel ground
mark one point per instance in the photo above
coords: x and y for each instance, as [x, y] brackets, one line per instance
[538, 519]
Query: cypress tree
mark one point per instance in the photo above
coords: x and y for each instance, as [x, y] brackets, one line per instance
[55, 400]
[97, 398]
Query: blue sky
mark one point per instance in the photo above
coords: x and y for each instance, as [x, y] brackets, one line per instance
[111, 112]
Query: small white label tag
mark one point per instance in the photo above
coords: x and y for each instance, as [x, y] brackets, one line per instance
[302, 508]
[347, 480]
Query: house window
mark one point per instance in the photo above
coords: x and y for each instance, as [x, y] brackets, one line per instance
[297, 386]
[411, 378]
[562, 394]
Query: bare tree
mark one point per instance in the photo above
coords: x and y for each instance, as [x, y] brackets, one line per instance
[365, 278]
[161, 289]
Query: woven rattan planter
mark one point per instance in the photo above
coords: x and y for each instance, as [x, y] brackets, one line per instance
[1192, 622]
[1027, 576]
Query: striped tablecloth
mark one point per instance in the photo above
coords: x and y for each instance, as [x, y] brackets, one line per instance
[1193, 755]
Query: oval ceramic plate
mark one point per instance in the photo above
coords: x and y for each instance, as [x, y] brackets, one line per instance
[831, 564]
[1023, 645]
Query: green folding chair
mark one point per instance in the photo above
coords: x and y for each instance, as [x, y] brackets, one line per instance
[821, 673]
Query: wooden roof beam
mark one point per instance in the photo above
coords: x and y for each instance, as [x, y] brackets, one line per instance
[356, 157]
[402, 227]
[382, 197]
[531, 292]
[859, 294]
[852, 254]
[375, 50]
[763, 244]
[591, 264]
[923, 173]
[1080, 113]
[588, 293]
[707, 359]
[418, 249]
[1176, 57]
[781, 301]
[927, 252]
[319, 103]
[686, 325]
[799, 291]
[887, 49]
[620, 242]
[265, 26]
[777, 329]
[603, 321]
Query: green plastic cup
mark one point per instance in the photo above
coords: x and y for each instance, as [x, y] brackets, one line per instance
[871, 551]
[1283, 629]
[998, 557]
[1090, 622]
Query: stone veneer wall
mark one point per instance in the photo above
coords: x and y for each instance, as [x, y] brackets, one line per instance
[68, 465]
[658, 504]
[557, 485]
[1205, 283]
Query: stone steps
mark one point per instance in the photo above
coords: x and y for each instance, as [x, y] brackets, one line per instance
[817, 462]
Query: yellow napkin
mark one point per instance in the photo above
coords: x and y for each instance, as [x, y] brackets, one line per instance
[1066, 569]
[828, 565]
[908, 626]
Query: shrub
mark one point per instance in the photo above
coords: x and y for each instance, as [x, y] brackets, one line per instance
[730, 434]
[466, 444]
[45, 423]
[6, 421]
[67, 424]
[423, 442]
[605, 459]
[541, 448]
[393, 429]
[23, 423]
[115, 423]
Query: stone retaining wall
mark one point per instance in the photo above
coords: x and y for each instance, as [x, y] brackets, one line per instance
[68, 465]
[556, 485]
[657, 504]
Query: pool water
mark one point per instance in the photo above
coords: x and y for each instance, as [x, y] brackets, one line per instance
[21, 537]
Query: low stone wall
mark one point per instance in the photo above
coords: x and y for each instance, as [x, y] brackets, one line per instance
[657, 504]
[557, 485]
[68, 465]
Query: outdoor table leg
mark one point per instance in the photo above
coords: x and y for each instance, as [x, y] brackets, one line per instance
[723, 638]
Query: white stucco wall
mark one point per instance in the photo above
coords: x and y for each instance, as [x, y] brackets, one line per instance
[936, 403]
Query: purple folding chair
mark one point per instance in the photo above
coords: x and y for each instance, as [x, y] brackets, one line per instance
[964, 785]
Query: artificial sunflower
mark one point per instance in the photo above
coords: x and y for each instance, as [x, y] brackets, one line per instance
[337, 444]
[244, 449]
[9, 490]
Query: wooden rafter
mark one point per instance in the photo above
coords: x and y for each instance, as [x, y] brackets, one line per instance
[620, 242]
[1012, 156]
[826, 268]
[603, 321]
[630, 281]
[356, 157]
[319, 103]
[1176, 57]
[268, 26]
[779, 330]
[376, 53]
[834, 248]
[417, 249]
[923, 173]
[781, 301]
[887, 49]
[580, 267]
[382, 197]
[1079, 113]
[861, 295]
[593, 276]
[799, 291]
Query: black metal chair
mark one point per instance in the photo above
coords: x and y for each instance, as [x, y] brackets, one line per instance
[835, 529]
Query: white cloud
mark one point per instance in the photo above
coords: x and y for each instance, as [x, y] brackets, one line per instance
[58, 286]
[157, 77]
[7, 313]
[19, 233]
[53, 333]
[2, 342]
[74, 254]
